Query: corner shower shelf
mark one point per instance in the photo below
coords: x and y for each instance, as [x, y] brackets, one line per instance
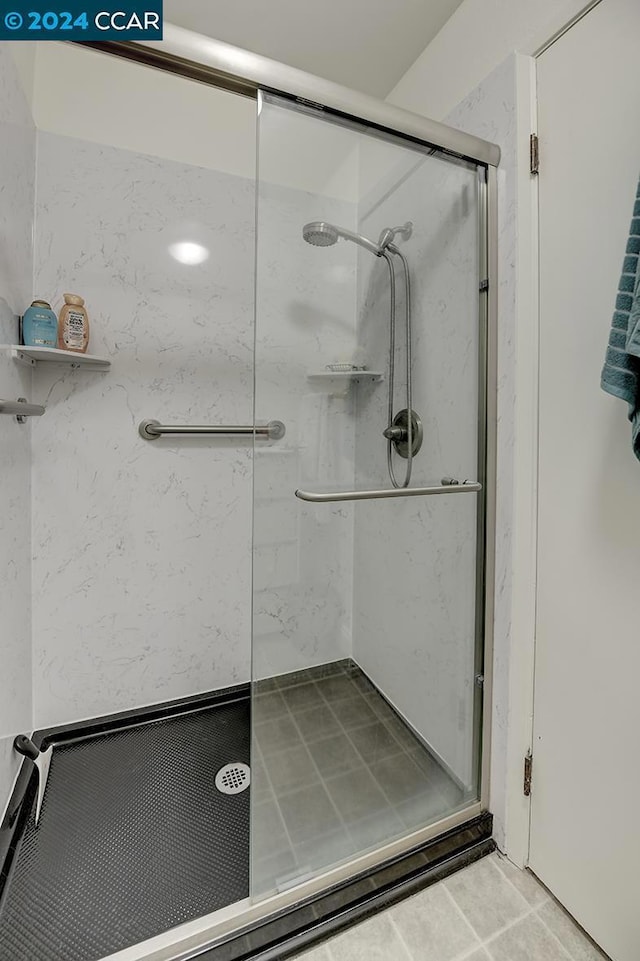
[345, 376]
[34, 356]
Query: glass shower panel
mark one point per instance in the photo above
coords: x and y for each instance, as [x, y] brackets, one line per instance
[365, 640]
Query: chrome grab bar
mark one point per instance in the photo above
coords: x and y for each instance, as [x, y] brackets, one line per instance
[152, 429]
[446, 488]
[21, 409]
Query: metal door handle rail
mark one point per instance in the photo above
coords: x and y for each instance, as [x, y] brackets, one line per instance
[318, 498]
[152, 429]
[21, 408]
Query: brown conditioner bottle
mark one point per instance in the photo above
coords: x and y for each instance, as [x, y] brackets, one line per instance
[73, 325]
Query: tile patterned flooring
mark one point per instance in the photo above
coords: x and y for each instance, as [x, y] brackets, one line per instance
[335, 771]
[489, 911]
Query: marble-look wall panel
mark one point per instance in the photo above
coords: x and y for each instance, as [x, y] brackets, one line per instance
[141, 550]
[306, 309]
[415, 560]
[17, 172]
[490, 112]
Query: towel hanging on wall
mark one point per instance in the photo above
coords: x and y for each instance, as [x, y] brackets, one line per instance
[621, 371]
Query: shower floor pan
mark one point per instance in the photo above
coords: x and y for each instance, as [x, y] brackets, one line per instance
[135, 838]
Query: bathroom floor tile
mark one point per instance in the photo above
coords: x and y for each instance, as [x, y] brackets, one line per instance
[422, 809]
[373, 940]
[400, 778]
[338, 687]
[308, 813]
[568, 933]
[432, 927]
[353, 712]
[527, 940]
[317, 723]
[378, 828]
[291, 769]
[324, 850]
[374, 742]
[277, 735]
[334, 755]
[302, 696]
[265, 707]
[356, 794]
[526, 883]
[486, 898]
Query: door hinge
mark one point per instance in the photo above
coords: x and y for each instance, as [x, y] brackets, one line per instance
[534, 154]
[528, 768]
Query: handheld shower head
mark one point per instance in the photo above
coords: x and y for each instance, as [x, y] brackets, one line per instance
[321, 234]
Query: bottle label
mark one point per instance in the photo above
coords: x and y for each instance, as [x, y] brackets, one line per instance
[74, 329]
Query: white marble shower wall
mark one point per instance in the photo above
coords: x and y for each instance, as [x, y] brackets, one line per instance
[414, 602]
[17, 174]
[142, 550]
[305, 319]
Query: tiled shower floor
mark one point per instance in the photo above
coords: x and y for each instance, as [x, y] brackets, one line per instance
[335, 771]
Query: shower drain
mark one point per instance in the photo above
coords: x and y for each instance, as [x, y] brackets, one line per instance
[233, 778]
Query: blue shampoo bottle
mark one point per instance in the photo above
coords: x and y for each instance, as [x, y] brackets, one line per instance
[40, 325]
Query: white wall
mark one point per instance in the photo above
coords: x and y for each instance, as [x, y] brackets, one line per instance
[17, 174]
[141, 569]
[24, 56]
[85, 94]
[478, 37]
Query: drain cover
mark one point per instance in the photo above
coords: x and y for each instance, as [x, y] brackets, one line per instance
[233, 778]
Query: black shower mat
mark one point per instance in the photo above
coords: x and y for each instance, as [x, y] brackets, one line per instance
[133, 839]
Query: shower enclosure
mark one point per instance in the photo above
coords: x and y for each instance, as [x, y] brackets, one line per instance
[286, 525]
[367, 592]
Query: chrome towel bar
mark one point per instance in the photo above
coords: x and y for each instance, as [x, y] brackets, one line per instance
[152, 429]
[21, 409]
[318, 498]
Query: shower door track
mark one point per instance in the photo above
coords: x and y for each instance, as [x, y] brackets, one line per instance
[222, 65]
[196, 57]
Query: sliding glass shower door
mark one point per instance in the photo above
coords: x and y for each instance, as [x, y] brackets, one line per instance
[367, 610]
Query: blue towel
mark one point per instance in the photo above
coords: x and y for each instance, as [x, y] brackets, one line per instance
[621, 371]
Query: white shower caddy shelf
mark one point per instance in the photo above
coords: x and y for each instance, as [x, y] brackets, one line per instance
[345, 376]
[34, 356]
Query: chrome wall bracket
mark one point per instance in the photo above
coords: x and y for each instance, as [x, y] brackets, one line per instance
[21, 409]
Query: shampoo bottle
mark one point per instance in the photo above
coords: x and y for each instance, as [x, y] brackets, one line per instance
[73, 325]
[39, 326]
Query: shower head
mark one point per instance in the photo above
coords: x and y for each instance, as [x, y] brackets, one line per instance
[321, 234]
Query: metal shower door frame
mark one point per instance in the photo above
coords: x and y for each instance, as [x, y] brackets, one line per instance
[195, 57]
